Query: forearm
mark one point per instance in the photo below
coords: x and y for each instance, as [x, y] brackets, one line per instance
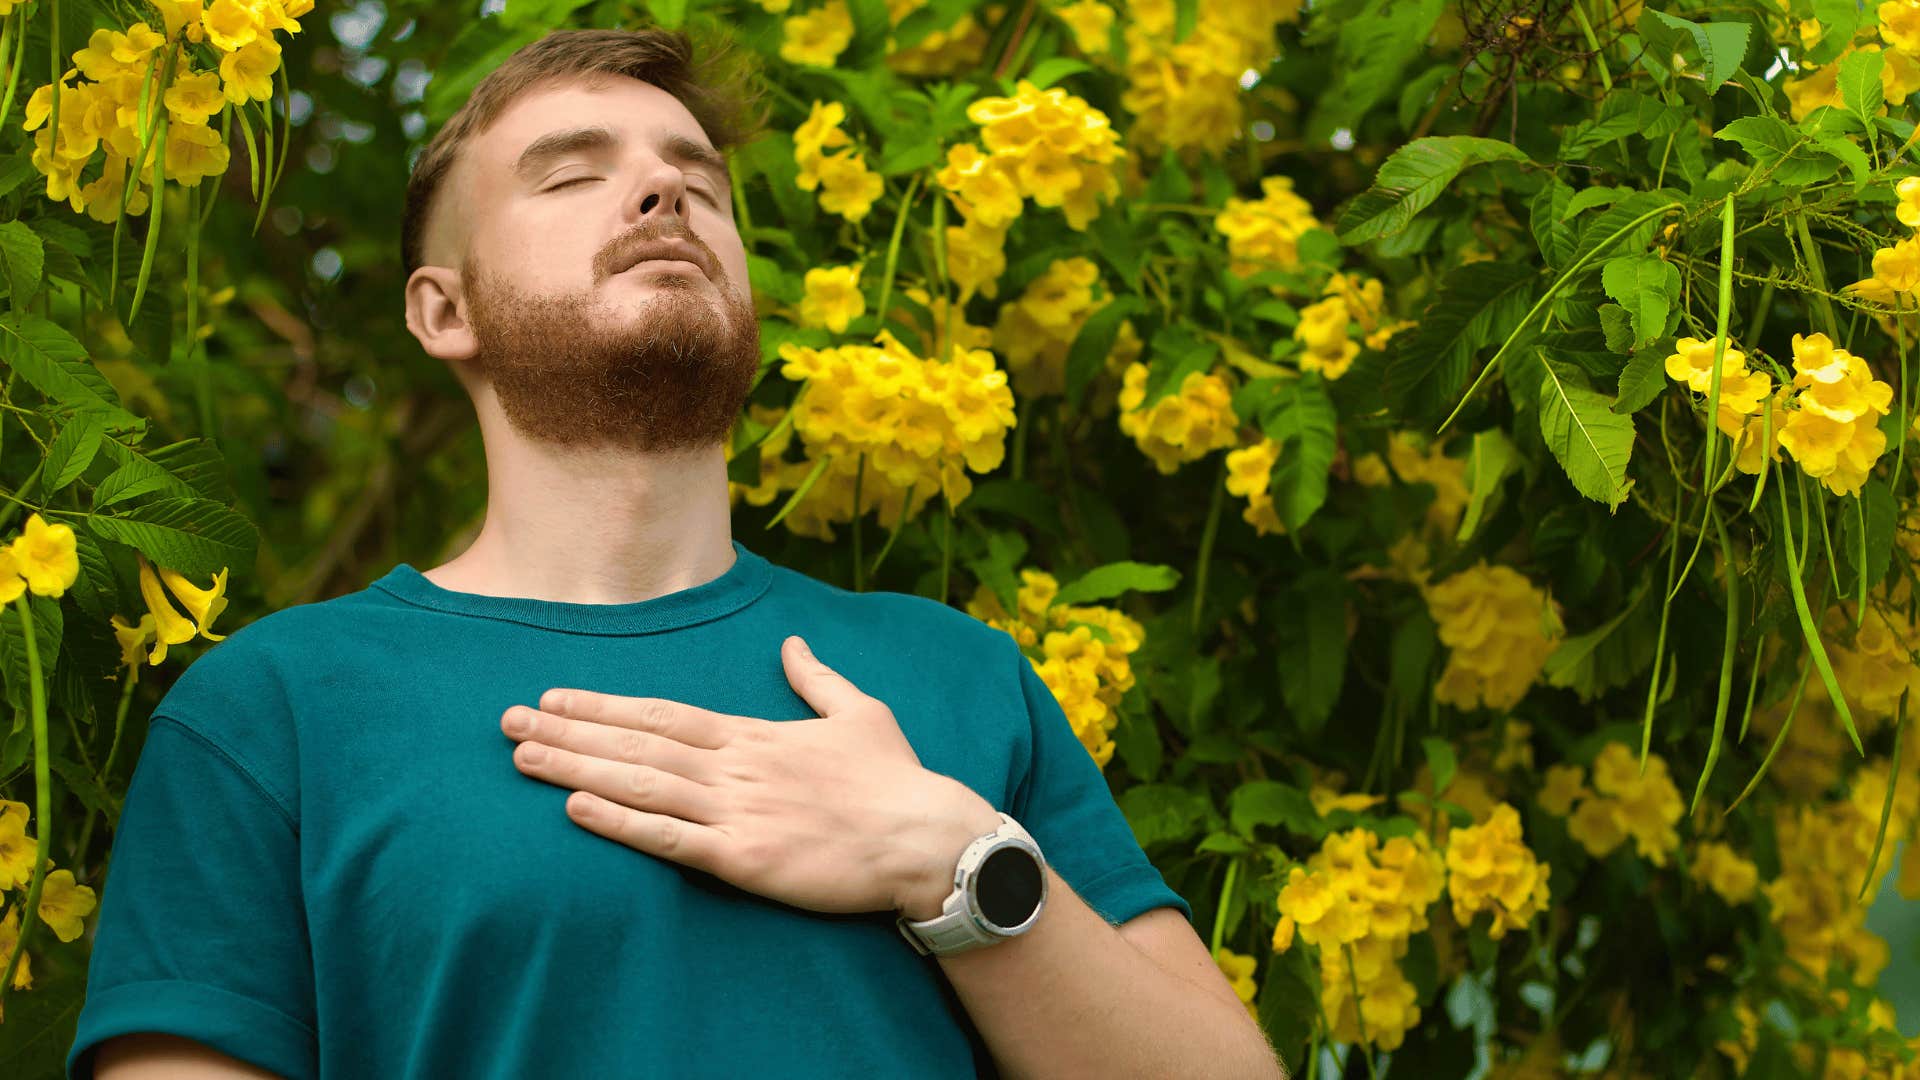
[1073, 998]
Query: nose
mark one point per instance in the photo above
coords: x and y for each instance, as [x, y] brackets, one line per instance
[659, 195]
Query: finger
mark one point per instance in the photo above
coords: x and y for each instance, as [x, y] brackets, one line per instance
[638, 787]
[675, 720]
[823, 688]
[684, 842]
[627, 745]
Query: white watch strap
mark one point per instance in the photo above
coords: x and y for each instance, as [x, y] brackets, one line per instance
[956, 929]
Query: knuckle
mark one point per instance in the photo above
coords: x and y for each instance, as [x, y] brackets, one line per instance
[655, 713]
[642, 783]
[631, 746]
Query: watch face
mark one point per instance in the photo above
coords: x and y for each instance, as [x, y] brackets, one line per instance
[1008, 886]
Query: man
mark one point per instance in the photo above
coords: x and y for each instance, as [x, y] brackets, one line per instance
[338, 856]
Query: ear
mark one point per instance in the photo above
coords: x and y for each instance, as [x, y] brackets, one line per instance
[437, 314]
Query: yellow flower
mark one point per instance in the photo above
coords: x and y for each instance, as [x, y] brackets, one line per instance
[16, 847]
[63, 904]
[1898, 267]
[833, 298]
[170, 628]
[195, 151]
[849, 187]
[9, 939]
[232, 24]
[1908, 189]
[1692, 363]
[819, 36]
[246, 74]
[1239, 972]
[44, 554]
[204, 605]
[1091, 22]
[132, 639]
[1716, 866]
[194, 97]
[1563, 785]
[11, 583]
[179, 15]
[1500, 630]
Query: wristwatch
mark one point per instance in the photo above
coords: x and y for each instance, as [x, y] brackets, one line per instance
[999, 888]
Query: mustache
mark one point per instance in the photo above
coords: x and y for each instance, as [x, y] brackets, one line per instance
[620, 251]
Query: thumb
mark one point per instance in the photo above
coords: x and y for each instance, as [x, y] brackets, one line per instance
[823, 688]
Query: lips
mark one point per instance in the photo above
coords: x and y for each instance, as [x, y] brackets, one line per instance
[666, 251]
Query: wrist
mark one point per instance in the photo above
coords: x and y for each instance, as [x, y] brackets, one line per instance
[960, 816]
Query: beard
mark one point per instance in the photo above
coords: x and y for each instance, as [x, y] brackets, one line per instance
[673, 378]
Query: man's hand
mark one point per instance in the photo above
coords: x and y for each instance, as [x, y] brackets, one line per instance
[834, 814]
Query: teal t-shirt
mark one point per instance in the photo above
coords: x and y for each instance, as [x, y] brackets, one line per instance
[328, 865]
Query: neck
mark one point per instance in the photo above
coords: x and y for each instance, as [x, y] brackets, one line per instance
[594, 526]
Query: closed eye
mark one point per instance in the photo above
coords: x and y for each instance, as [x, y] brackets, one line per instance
[570, 183]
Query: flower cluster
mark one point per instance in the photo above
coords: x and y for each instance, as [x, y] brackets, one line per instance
[1500, 630]
[816, 38]
[1824, 850]
[1250, 475]
[1264, 233]
[1036, 332]
[162, 624]
[1183, 426]
[1187, 93]
[1045, 145]
[1079, 652]
[957, 48]
[847, 187]
[1835, 433]
[1623, 802]
[64, 903]
[1720, 868]
[1491, 869]
[832, 298]
[1877, 666]
[917, 425]
[104, 110]
[1741, 390]
[1358, 900]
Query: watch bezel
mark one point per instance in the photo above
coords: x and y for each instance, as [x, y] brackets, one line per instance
[978, 914]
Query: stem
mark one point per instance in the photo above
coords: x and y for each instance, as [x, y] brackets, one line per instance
[1546, 298]
[893, 244]
[1720, 340]
[43, 792]
[1727, 650]
[1796, 586]
[1220, 917]
[1886, 806]
[1207, 536]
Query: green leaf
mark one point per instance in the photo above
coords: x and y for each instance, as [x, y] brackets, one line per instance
[1607, 656]
[1490, 460]
[71, 451]
[136, 475]
[1642, 380]
[55, 364]
[48, 630]
[1270, 802]
[1301, 419]
[1591, 441]
[1477, 304]
[1440, 761]
[1093, 344]
[1860, 85]
[1550, 221]
[1163, 813]
[1311, 646]
[1106, 582]
[1412, 178]
[96, 590]
[197, 537]
[1788, 156]
[1378, 41]
[1646, 285]
[1616, 325]
[22, 257]
[1721, 45]
[1876, 501]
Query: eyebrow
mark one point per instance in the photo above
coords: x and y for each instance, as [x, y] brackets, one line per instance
[555, 144]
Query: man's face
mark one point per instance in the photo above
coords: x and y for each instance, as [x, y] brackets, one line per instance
[583, 345]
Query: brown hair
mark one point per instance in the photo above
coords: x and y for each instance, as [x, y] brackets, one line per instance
[717, 93]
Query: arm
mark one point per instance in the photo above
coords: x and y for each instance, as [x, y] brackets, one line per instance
[1078, 997]
[150, 1055]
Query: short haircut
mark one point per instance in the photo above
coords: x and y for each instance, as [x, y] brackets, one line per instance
[716, 92]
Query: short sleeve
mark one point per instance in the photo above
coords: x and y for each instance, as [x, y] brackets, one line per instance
[1065, 803]
[201, 931]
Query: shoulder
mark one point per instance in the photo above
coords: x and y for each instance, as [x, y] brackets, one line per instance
[902, 620]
